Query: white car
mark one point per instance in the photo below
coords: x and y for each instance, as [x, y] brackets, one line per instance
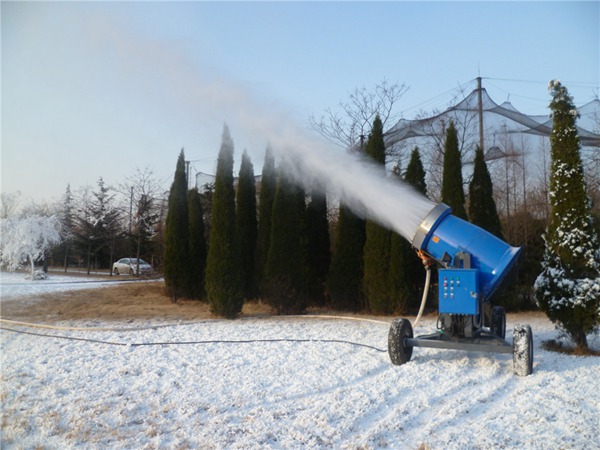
[130, 266]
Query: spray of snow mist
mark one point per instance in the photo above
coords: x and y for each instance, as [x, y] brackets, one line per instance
[360, 184]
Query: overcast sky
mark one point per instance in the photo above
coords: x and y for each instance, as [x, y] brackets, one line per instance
[97, 89]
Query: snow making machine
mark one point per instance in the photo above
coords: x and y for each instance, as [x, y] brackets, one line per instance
[472, 265]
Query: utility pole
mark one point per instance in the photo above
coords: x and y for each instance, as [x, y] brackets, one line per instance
[480, 110]
[130, 210]
[187, 174]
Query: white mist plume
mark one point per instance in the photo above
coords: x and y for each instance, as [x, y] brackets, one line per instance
[359, 184]
[208, 98]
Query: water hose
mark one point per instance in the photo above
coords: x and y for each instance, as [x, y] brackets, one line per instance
[427, 263]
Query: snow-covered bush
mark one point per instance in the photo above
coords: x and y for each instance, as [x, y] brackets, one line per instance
[568, 289]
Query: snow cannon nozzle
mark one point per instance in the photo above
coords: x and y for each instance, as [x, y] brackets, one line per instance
[454, 242]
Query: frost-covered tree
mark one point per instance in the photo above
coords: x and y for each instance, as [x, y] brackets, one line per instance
[26, 239]
[568, 288]
[9, 204]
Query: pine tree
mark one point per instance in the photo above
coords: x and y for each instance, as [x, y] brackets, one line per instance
[344, 282]
[317, 248]
[197, 245]
[284, 281]
[568, 288]
[176, 259]
[452, 181]
[376, 282]
[247, 223]
[98, 227]
[224, 281]
[68, 229]
[268, 185]
[482, 207]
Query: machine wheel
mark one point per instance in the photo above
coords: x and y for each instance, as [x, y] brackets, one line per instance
[399, 330]
[498, 325]
[116, 272]
[523, 350]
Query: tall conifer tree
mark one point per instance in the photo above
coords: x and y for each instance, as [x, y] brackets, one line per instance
[406, 269]
[399, 281]
[344, 282]
[415, 274]
[284, 281]
[376, 283]
[247, 223]
[223, 278]
[453, 194]
[482, 207]
[176, 259]
[317, 249]
[568, 289]
[197, 245]
[268, 185]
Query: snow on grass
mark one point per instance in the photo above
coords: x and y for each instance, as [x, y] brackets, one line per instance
[16, 285]
[63, 393]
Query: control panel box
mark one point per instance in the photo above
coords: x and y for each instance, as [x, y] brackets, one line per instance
[458, 291]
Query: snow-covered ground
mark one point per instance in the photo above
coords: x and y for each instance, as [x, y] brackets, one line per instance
[16, 284]
[287, 383]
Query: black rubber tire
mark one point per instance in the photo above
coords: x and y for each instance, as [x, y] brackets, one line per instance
[498, 325]
[399, 330]
[116, 272]
[523, 350]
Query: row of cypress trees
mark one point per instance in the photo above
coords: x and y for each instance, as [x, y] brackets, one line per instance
[283, 256]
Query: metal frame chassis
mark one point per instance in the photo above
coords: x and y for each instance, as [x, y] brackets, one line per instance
[486, 342]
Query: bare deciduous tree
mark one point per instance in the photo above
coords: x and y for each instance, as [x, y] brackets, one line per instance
[351, 123]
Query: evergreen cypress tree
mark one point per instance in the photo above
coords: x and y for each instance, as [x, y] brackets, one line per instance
[268, 185]
[317, 249]
[399, 282]
[284, 281]
[568, 288]
[414, 272]
[176, 259]
[376, 282]
[415, 173]
[197, 245]
[223, 278]
[406, 269]
[452, 181]
[344, 282]
[247, 223]
[482, 207]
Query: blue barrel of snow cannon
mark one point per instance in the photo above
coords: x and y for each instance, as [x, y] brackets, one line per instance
[443, 235]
